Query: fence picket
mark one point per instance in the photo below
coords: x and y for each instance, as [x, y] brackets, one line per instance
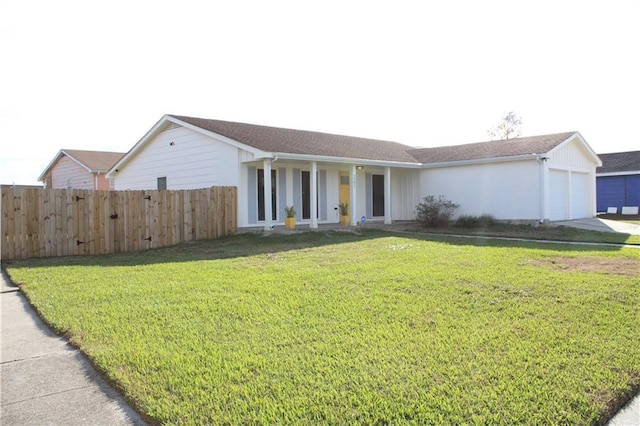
[62, 222]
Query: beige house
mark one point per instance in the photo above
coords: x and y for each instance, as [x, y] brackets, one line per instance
[78, 169]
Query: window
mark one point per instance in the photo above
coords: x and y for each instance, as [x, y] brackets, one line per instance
[162, 183]
[306, 194]
[377, 185]
[112, 183]
[274, 205]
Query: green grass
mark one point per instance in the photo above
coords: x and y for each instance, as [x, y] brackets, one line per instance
[354, 329]
[545, 233]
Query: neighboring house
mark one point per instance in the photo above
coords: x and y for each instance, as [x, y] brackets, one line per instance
[538, 178]
[618, 180]
[77, 169]
[14, 186]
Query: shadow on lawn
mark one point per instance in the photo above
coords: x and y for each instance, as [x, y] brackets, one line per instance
[239, 245]
[251, 244]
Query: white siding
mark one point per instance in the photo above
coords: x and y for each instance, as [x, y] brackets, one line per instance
[67, 173]
[572, 155]
[405, 193]
[192, 161]
[508, 191]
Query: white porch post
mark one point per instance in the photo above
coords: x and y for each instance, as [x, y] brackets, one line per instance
[387, 195]
[267, 194]
[353, 198]
[314, 195]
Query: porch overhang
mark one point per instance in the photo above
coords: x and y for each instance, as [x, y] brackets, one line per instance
[334, 160]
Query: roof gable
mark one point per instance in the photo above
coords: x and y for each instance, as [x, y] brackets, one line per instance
[93, 161]
[492, 149]
[617, 162]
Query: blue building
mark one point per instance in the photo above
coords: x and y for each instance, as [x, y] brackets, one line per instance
[618, 181]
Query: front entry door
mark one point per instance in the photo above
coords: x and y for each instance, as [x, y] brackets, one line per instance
[345, 192]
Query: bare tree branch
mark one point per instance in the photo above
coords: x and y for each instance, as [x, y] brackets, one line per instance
[509, 127]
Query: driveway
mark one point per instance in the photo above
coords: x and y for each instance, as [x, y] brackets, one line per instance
[602, 225]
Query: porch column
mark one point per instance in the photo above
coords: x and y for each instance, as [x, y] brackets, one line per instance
[353, 198]
[314, 195]
[387, 195]
[267, 194]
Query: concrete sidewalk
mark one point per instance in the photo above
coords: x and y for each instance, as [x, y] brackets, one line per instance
[45, 381]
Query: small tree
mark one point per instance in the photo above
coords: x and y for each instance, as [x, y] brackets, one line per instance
[508, 128]
[434, 211]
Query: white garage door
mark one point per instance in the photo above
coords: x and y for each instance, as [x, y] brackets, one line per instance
[580, 196]
[559, 195]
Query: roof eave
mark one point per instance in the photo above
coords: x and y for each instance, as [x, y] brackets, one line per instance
[623, 173]
[341, 160]
[486, 160]
[230, 141]
[49, 166]
[55, 160]
[141, 142]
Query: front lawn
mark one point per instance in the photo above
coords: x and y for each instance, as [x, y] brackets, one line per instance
[544, 233]
[369, 328]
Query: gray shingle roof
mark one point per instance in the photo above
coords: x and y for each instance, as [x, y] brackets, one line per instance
[492, 149]
[290, 141]
[617, 162]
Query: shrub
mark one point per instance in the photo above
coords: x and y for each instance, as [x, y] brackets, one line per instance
[483, 221]
[434, 211]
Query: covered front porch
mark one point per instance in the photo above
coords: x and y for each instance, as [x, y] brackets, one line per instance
[395, 225]
[378, 192]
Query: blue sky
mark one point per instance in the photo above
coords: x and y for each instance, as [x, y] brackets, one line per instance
[88, 75]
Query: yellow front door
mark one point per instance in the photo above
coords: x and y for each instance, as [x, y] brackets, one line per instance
[345, 192]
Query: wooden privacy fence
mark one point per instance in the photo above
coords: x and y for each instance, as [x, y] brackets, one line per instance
[61, 222]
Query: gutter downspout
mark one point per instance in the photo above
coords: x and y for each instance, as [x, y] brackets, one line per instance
[542, 160]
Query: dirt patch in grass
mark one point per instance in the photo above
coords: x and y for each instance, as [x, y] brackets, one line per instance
[615, 266]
